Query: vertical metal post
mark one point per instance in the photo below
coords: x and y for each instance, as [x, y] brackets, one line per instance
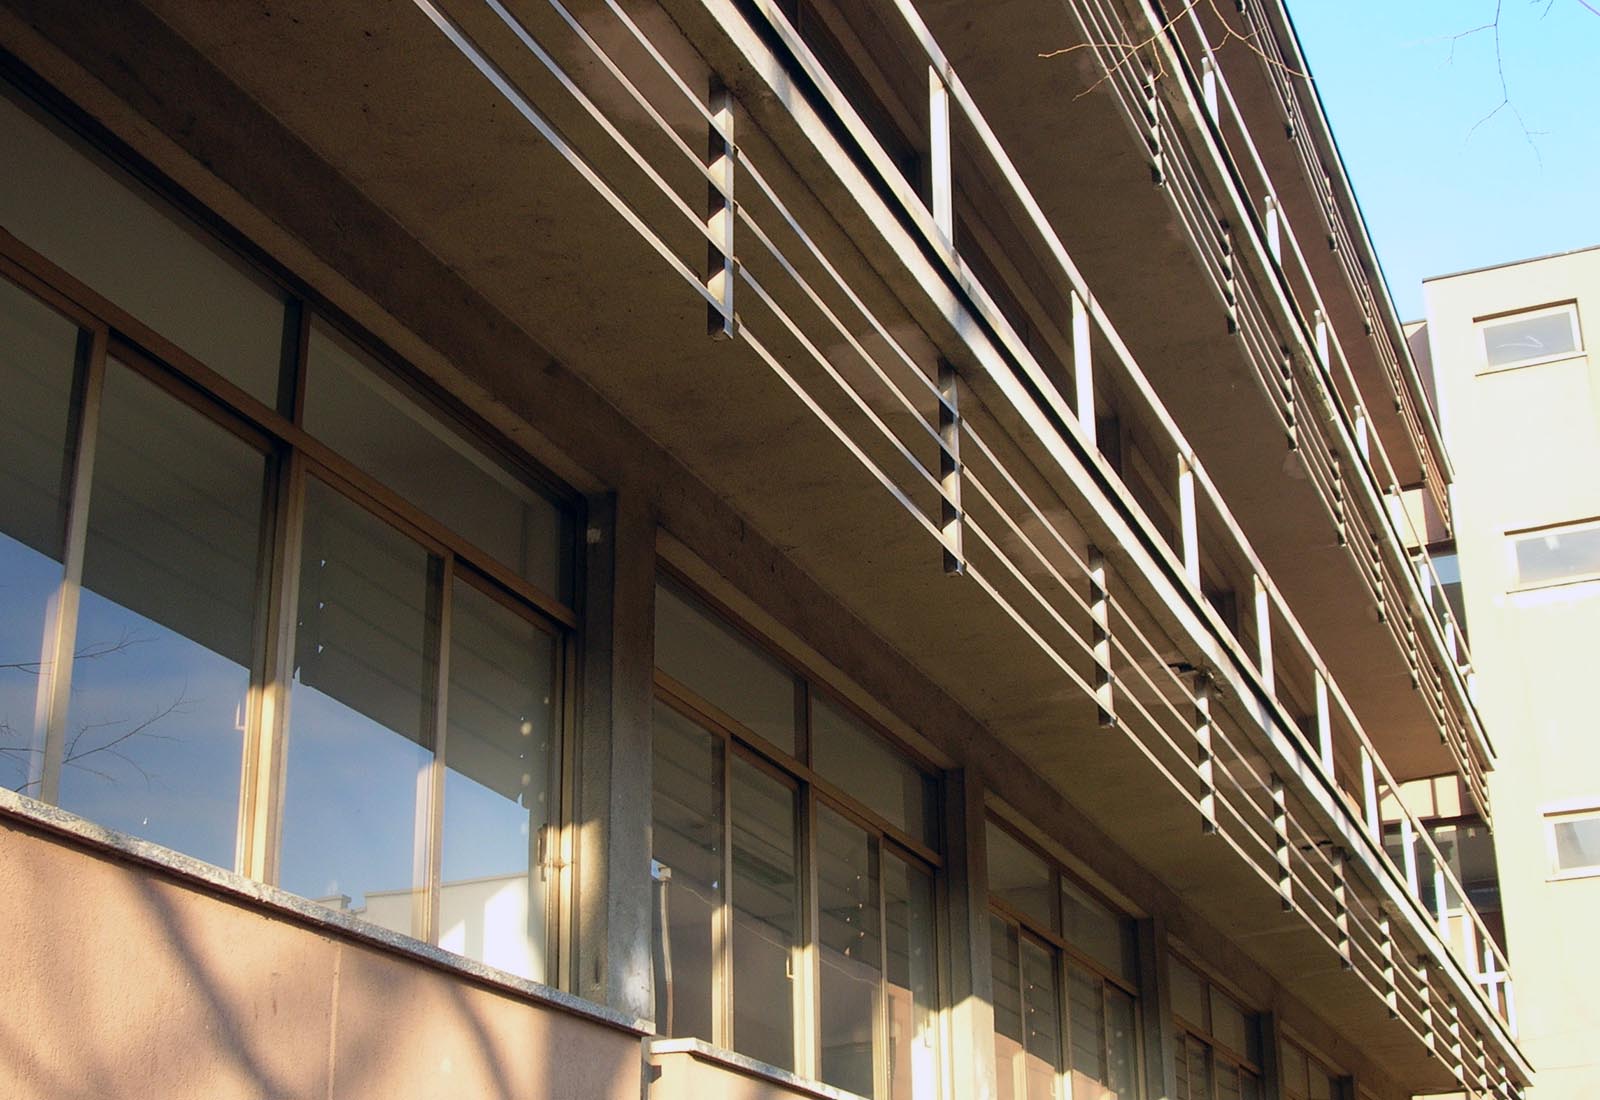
[1322, 339]
[1100, 614]
[1263, 631]
[1189, 520]
[1425, 992]
[1341, 906]
[1083, 369]
[1324, 721]
[1208, 85]
[1274, 228]
[721, 322]
[1363, 444]
[1391, 990]
[1280, 833]
[1205, 766]
[943, 186]
[1408, 852]
[950, 515]
[1369, 795]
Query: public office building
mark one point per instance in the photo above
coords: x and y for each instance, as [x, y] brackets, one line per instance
[715, 548]
[1511, 353]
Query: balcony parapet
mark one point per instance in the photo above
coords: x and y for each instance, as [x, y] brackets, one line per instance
[1303, 389]
[1001, 467]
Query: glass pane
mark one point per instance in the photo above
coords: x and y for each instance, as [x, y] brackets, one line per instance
[913, 980]
[1321, 1083]
[1122, 1045]
[1231, 1027]
[352, 408]
[1520, 338]
[1546, 557]
[38, 350]
[1086, 1013]
[166, 624]
[1006, 964]
[1183, 1091]
[360, 739]
[686, 839]
[851, 952]
[1019, 877]
[1105, 936]
[499, 784]
[1294, 1071]
[1188, 994]
[1577, 843]
[724, 667]
[132, 247]
[1226, 1077]
[1198, 1064]
[766, 915]
[1041, 1000]
[851, 756]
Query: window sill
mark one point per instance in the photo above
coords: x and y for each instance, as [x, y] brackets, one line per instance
[703, 1051]
[1521, 363]
[237, 888]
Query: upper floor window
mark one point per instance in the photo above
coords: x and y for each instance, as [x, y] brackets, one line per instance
[1219, 1042]
[795, 850]
[238, 623]
[1575, 843]
[1531, 336]
[1065, 967]
[1556, 555]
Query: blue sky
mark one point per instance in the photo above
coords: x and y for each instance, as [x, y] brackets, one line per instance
[1442, 188]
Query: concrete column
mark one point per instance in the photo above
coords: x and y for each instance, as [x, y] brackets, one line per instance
[971, 982]
[611, 963]
[1155, 1000]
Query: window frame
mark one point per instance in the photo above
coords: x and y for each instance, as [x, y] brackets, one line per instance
[1203, 1033]
[1586, 810]
[1514, 536]
[1482, 325]
[1065, 956]
[812, 793]
[293, 455]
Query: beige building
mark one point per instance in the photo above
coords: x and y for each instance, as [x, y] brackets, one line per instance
[1519, 403]
[736, 549]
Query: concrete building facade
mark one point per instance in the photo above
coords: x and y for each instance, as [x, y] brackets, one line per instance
[1519, 403]
[716, 548]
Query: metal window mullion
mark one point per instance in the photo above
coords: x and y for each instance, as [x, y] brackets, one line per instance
[808, 1052]
[430, 802]
[1063, 970]
[881, 1047]
[722, 923]
[61, 635]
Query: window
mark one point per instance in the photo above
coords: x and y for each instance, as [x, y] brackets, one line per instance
[1447, 567]
[1219, 1043]
[236, 625]
[1556, 555]
[1304, 1077]
[1575, 843]
[1533, 336]
[794, 851]
[1065, 970]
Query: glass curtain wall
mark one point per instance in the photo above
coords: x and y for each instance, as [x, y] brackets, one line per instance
[795, 852]
[1066, 982]
[236, 622]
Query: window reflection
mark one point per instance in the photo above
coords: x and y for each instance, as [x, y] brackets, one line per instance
[499, 786]
[847, 903]
[361, 708]
[161, 669]
[37, 371]
[766, 915]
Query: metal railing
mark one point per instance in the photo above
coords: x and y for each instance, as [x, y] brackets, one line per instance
[1210, 85]
[983, 460]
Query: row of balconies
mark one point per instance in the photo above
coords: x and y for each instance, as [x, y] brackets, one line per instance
[1280, 653]
[997, 454]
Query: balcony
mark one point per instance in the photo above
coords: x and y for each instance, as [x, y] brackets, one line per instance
[806, 328]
